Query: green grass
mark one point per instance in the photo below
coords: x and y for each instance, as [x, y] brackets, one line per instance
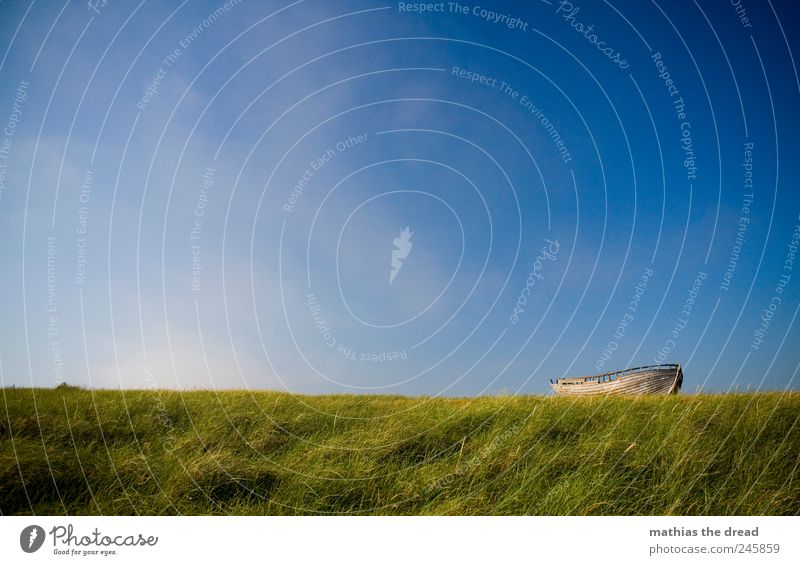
[157, 452]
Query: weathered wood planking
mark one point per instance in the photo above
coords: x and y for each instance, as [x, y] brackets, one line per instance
[653, 379]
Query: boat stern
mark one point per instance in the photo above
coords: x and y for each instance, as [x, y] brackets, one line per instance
[676, 384]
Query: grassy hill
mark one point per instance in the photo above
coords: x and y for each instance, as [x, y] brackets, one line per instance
[158, 452]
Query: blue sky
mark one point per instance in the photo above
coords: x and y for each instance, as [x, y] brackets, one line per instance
[206, 195]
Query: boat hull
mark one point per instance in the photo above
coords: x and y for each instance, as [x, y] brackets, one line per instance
[658, 379]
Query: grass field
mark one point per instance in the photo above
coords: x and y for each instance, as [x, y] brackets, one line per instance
[157, 452]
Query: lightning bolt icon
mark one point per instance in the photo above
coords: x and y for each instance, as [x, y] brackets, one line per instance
[402, 248]
[34, 535]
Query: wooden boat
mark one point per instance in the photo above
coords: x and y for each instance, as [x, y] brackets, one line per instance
[652, 379]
